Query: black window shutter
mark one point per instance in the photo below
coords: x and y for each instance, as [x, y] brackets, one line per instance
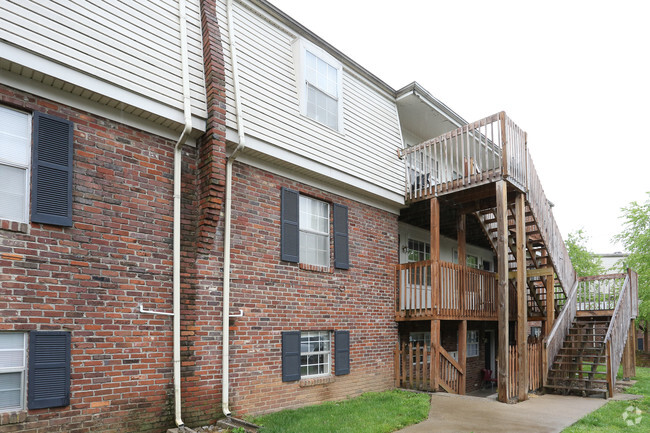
[49, 369]
[52, 170]
[290, 243]
[290, 356]
[341, 249]
[341, 352]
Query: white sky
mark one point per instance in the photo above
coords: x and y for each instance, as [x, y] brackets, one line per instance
[573, 74]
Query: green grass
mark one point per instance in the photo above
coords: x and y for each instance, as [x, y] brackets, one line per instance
[609, 418]
[373, 412]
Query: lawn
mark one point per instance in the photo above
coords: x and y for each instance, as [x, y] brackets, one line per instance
[373, 412]
[612, 418]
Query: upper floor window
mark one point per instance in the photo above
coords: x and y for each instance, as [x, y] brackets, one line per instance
[319, 85]
[15, 158]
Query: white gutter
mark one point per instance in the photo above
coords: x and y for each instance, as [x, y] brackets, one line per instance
[225, 373]
[178, 153]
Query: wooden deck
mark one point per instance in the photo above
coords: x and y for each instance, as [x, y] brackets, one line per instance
[458, 293]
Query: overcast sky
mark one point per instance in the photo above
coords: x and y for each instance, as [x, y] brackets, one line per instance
[573, 74]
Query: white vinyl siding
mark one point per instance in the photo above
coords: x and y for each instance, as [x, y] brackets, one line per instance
[15, 156]
[271, 107]
[132, 45]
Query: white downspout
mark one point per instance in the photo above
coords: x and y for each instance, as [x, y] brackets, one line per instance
[225, 373]
[178, 154]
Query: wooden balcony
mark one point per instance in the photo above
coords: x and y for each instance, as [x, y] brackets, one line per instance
[461, 292]
[479, 153]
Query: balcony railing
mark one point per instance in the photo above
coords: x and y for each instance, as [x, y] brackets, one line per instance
[481, 152]
[464, 292]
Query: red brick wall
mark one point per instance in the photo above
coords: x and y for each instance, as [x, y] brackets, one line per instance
[279, 296]
[90, 278]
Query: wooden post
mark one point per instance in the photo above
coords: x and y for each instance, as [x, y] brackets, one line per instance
[397, 366]
[550, 304]
[462, 354]
[435, 354]
[435, 255]
[502, 289]
[504, 146]
[462, 261]
[522, 310]
[610, 379]
[629, 369]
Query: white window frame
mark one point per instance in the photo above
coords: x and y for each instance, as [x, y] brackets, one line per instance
[300, 49]
[312, 231]
[22, 166]
[326, 336]
[473, 344]
[21, 369]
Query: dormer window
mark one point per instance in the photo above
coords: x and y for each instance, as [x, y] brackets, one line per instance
[319, 85]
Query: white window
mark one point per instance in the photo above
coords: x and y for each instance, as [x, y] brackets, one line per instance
[12, 370]
[15, 156]
[315, 353]
[418, 251]
[319, 84]
[472, 343]
[314, 232]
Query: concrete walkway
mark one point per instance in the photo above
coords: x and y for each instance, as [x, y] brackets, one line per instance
[452, 413]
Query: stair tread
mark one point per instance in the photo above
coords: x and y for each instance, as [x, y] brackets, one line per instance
[577, 379]
[575, 388]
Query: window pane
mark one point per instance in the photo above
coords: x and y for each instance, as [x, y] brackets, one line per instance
[12, 193]
[10, 390]
[14, 137]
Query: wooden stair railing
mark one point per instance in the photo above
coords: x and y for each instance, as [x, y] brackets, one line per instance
[616, 336]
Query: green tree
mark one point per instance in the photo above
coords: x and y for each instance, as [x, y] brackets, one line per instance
[584, 261]
[635, 236]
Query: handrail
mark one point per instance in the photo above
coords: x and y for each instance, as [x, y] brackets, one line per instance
[554, 340]
[599, 292]
[616, 310]
[616, 336]
[462, 291]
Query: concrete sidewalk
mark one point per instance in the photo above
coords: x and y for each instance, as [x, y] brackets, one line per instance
[452, 413]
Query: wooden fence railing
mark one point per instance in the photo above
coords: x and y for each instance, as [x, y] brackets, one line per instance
[555, 339]
[414, 296]
[548, 229]
[490, 149]
[599, 292]
[413, 369]
[450, 373]
[480, 152]
[464, 292]
[616, 336]
[535, 368]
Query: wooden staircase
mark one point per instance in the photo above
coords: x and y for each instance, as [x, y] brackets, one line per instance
[580, 367]
[537, 256]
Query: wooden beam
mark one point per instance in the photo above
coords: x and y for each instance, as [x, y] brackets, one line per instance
[435, 355]
[522, 312]
[462, 354]
[547, 271]
[502, 288]
[434, 240]
[462, 260]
